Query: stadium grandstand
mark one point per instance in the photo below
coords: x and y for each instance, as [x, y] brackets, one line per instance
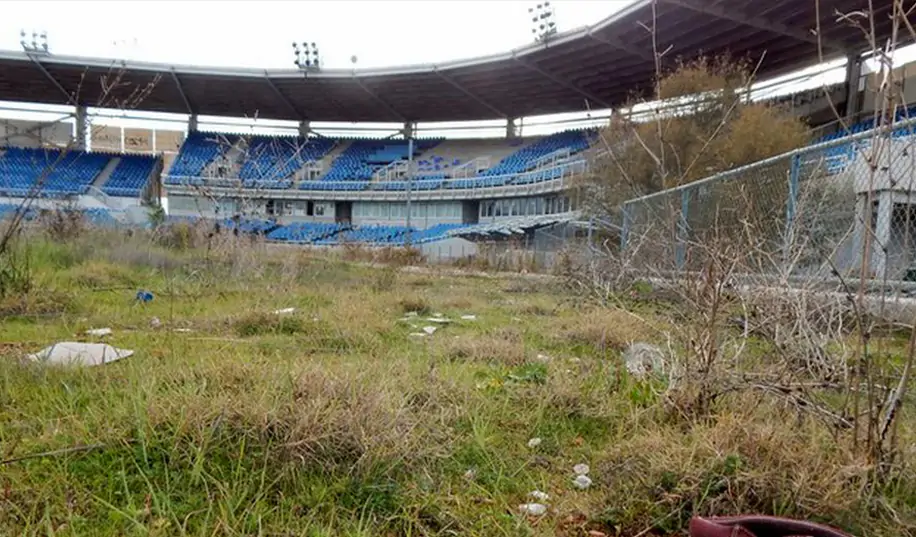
[312, 186]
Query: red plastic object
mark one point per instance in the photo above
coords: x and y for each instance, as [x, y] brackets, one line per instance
[759, 526]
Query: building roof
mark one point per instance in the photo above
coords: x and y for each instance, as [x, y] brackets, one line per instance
[598, 66]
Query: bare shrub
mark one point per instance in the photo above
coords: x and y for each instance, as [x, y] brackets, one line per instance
[708, 125]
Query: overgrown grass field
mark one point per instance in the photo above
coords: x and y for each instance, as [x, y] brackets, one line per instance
[230, 419]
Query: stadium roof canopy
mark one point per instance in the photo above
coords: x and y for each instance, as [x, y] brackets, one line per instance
[601, 65]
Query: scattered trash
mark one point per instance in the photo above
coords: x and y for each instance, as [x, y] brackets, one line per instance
[581, 469]
[468, 317]
[533, 509]
[439, 320]
[411, 314]
[99, 332]
[471, 474]
[534, 442]
[538, 495]
[582, 482]
[430, 330]
[183, 330]
[575, 360]
[144, 296]
[155, 322]
[543, 358]
[642, 359]
[87, 354]
[417, 334]
[284, 311]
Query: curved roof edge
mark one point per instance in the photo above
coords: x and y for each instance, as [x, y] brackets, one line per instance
[159, 67]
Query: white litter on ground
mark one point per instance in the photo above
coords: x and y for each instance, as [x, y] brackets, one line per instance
[534, 442]
[284, 311]
[533, 509]
[468, 317]
[417, 334]
[538, 495]
[582, 482]
[439, 320]
[430, 330]
[183, 330]
[581, 469]
[543, 358]
[72, 353]
[155, 322]
[99, 332]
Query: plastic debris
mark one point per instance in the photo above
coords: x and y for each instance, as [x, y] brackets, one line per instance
[439, 320]
[284, 311]
[72, 353]
[581, 469]
[417, 334]
[538, 495]
[642, 359]
[533, 509]
[144, 296]
[543, 358]
[183, 330]
[98, 332]
[534, 442]
[582, 482]
[155, 322]
[429, 330]
[471, 474]
[468, 317]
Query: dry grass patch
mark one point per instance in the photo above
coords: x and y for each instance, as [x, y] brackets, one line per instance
[503, 346]
[603, 329]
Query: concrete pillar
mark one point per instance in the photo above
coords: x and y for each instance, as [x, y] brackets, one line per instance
[882, 238]
[853, 73]
[511, 128]
[192, 123]
[82, 128]
[305, 128]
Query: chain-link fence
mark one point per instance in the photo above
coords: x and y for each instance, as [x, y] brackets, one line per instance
[845, 207]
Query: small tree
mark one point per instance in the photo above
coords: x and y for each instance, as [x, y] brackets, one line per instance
[699, 121]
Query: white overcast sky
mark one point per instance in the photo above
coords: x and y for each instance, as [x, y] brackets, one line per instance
[260, 33]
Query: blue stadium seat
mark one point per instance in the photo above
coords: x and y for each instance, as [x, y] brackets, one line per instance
[130, 176]
[54, 173]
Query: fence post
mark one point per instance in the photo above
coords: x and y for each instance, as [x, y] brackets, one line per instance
[625, 226]
[680, 251]
[791, 201]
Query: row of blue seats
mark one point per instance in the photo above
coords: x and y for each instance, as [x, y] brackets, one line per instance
[306, 232]
[130, 176]
[96, 215]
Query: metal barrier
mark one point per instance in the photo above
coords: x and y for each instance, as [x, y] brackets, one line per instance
[523, 184]
[843, 208]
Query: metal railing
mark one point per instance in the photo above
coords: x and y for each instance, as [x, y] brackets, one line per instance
[522, 184]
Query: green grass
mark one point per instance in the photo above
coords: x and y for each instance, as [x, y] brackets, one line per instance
[335, 421]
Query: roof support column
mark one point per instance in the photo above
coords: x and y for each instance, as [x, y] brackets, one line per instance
[853, 74]
[192, 123]
[511, 128]
[82, 127]
[409, 130]
[305, 128]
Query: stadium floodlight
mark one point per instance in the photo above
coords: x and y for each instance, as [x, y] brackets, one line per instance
[543, 21]
[306, 56]
[37, 45]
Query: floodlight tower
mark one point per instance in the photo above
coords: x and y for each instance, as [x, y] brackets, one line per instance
[306, 56]
[37, 45]
[543, 21]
